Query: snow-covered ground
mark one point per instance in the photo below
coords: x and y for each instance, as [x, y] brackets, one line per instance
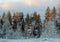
[31, 40]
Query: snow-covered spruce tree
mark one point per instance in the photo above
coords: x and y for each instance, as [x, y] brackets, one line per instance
[32, 24]
[22, 22]
[14, 25]
[27, 22]
[53, 14]
[7, 29]
[22, 15]
[58, 19]
[47, 14]
[29, 26]
[34, 29]
[1, 31]
[19, 20]
[39, 19]
[3, 18]
[18, 34]
[9, 17]
[47, 17]
[27, 19]
[22, 25]
[1, 24]
[38, 26]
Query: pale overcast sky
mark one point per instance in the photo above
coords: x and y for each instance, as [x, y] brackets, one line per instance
[27, 6]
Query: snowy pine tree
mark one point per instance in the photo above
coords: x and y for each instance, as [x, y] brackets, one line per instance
[9, 17]
[27, 19]
[58, 19]
[47, 14]
[6, 28]
[53, 14]
[1, 31]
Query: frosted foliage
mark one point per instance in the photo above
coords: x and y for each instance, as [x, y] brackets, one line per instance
[7, 28]
[50, 32]
[1, 31]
